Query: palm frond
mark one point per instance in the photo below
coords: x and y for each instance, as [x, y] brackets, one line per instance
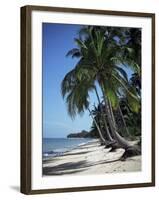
[80, 43]
[74, 53]
[122, 72]
[67, 82]
[125, 86]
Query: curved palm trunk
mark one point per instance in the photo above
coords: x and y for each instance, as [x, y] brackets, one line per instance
[111, 113]
[127, 131]
[123, 142]
[119, 139]
[130, 150]
[122, 117]
[98, 128]
[109, 137]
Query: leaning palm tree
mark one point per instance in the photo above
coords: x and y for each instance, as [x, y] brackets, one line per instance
[98, 115]
[75, 89]
[97, 62]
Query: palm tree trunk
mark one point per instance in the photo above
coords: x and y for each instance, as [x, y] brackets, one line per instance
[98, 128]
[130, 150]
[111, 113]
[119, 139]
[107, 110]
[109, 137]
[127, 131]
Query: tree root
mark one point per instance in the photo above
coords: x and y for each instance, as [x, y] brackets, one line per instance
[113, 145]
[130, 152]
[102, 143]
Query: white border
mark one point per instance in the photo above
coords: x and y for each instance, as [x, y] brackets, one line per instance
[39, 182]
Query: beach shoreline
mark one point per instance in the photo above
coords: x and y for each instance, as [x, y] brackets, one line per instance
[90, 158]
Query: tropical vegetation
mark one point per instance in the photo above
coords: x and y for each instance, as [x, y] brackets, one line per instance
[105, 56]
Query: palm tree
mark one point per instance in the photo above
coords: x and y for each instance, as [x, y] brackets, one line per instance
[103, 116]
[97, 62]
[75, 89]
[99, 114]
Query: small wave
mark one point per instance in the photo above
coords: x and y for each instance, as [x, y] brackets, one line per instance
[65, 146]
[57, 152]
[81, 144]
[84, 143]
[46, 155]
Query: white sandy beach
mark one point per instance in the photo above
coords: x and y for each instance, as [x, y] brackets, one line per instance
[91, 158]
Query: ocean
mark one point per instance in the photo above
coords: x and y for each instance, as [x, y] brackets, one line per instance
[57, 146]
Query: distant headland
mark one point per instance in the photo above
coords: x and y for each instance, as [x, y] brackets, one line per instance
[82, 134]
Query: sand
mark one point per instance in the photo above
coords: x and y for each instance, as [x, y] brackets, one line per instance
[91, 158]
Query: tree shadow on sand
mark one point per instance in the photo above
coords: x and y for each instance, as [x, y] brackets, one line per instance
[72, 167]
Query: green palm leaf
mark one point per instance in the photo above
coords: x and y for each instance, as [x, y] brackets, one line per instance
[80, 43]
[122, 72]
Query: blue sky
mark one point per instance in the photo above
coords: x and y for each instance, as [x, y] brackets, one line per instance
[58, 39]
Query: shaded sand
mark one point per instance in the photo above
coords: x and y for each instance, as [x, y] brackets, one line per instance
[91, 158]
